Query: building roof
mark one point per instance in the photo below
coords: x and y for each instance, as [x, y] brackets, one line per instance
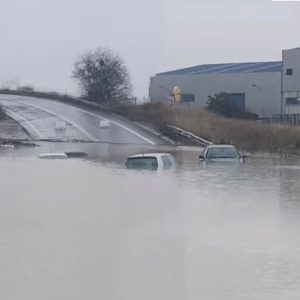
[251, 67]
[297, 48]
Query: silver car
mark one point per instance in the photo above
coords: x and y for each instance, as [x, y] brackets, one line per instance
[151, 161]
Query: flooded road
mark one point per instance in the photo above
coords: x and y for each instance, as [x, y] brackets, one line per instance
[90, 229]
[44, 119]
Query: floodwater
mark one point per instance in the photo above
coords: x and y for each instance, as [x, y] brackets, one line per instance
[90, 229]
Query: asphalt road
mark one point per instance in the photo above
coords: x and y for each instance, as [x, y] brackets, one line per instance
[51, 120]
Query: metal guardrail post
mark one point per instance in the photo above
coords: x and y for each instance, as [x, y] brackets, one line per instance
[190, 135]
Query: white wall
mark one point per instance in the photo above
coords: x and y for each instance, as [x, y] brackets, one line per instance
[264, 99]
[291, 83]
[291, 59]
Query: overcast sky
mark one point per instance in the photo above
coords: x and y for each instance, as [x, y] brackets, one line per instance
[41, 39]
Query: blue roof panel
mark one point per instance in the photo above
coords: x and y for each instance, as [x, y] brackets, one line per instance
[251, 67]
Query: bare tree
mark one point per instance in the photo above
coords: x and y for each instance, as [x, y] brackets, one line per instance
[103, 76]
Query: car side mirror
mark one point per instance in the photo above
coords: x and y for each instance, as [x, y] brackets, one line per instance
[244, 156]
[201, 157]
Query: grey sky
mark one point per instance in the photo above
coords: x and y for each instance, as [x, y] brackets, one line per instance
[42, 38]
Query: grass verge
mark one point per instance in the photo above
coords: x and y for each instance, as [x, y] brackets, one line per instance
[246, 135]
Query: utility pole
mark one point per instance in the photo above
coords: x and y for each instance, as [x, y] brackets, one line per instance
[281, 89]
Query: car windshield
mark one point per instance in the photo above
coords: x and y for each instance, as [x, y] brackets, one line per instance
[142, 163]
[222, 153]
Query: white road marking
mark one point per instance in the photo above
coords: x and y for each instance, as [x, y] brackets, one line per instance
[91, 114]
[19, 117]
[111, 121]
[78, 127]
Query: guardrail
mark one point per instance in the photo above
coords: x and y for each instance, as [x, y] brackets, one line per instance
[190, 135]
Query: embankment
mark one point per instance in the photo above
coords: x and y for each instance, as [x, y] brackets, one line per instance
[246, 135]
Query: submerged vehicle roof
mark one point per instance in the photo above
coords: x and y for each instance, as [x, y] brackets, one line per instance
[220, 146]
[53, 155]
[149, 155]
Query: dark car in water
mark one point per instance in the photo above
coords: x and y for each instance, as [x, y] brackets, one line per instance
[221, 153]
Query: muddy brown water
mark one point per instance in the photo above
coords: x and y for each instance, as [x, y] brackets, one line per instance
[90, 229]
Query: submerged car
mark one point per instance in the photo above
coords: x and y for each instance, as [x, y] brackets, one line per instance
[63, 155]
[60, 126]
[221, 153]
[104, 124]
[151, 161]
[53, 156]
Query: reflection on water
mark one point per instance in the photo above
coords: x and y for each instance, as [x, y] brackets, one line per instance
[90, 229]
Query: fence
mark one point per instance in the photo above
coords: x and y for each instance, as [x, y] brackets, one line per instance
[286, 119]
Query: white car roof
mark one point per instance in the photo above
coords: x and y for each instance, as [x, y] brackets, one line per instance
[149, 155]
[53, 155]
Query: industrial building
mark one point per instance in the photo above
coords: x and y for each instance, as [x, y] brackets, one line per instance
[265, 88]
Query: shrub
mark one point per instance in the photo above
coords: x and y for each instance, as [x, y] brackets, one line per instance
[224, 105]
[26, 88]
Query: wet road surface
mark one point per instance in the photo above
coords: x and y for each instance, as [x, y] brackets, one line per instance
[10, 129]
[42, 118]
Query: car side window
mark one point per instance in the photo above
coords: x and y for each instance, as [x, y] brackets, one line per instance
[167, 163]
